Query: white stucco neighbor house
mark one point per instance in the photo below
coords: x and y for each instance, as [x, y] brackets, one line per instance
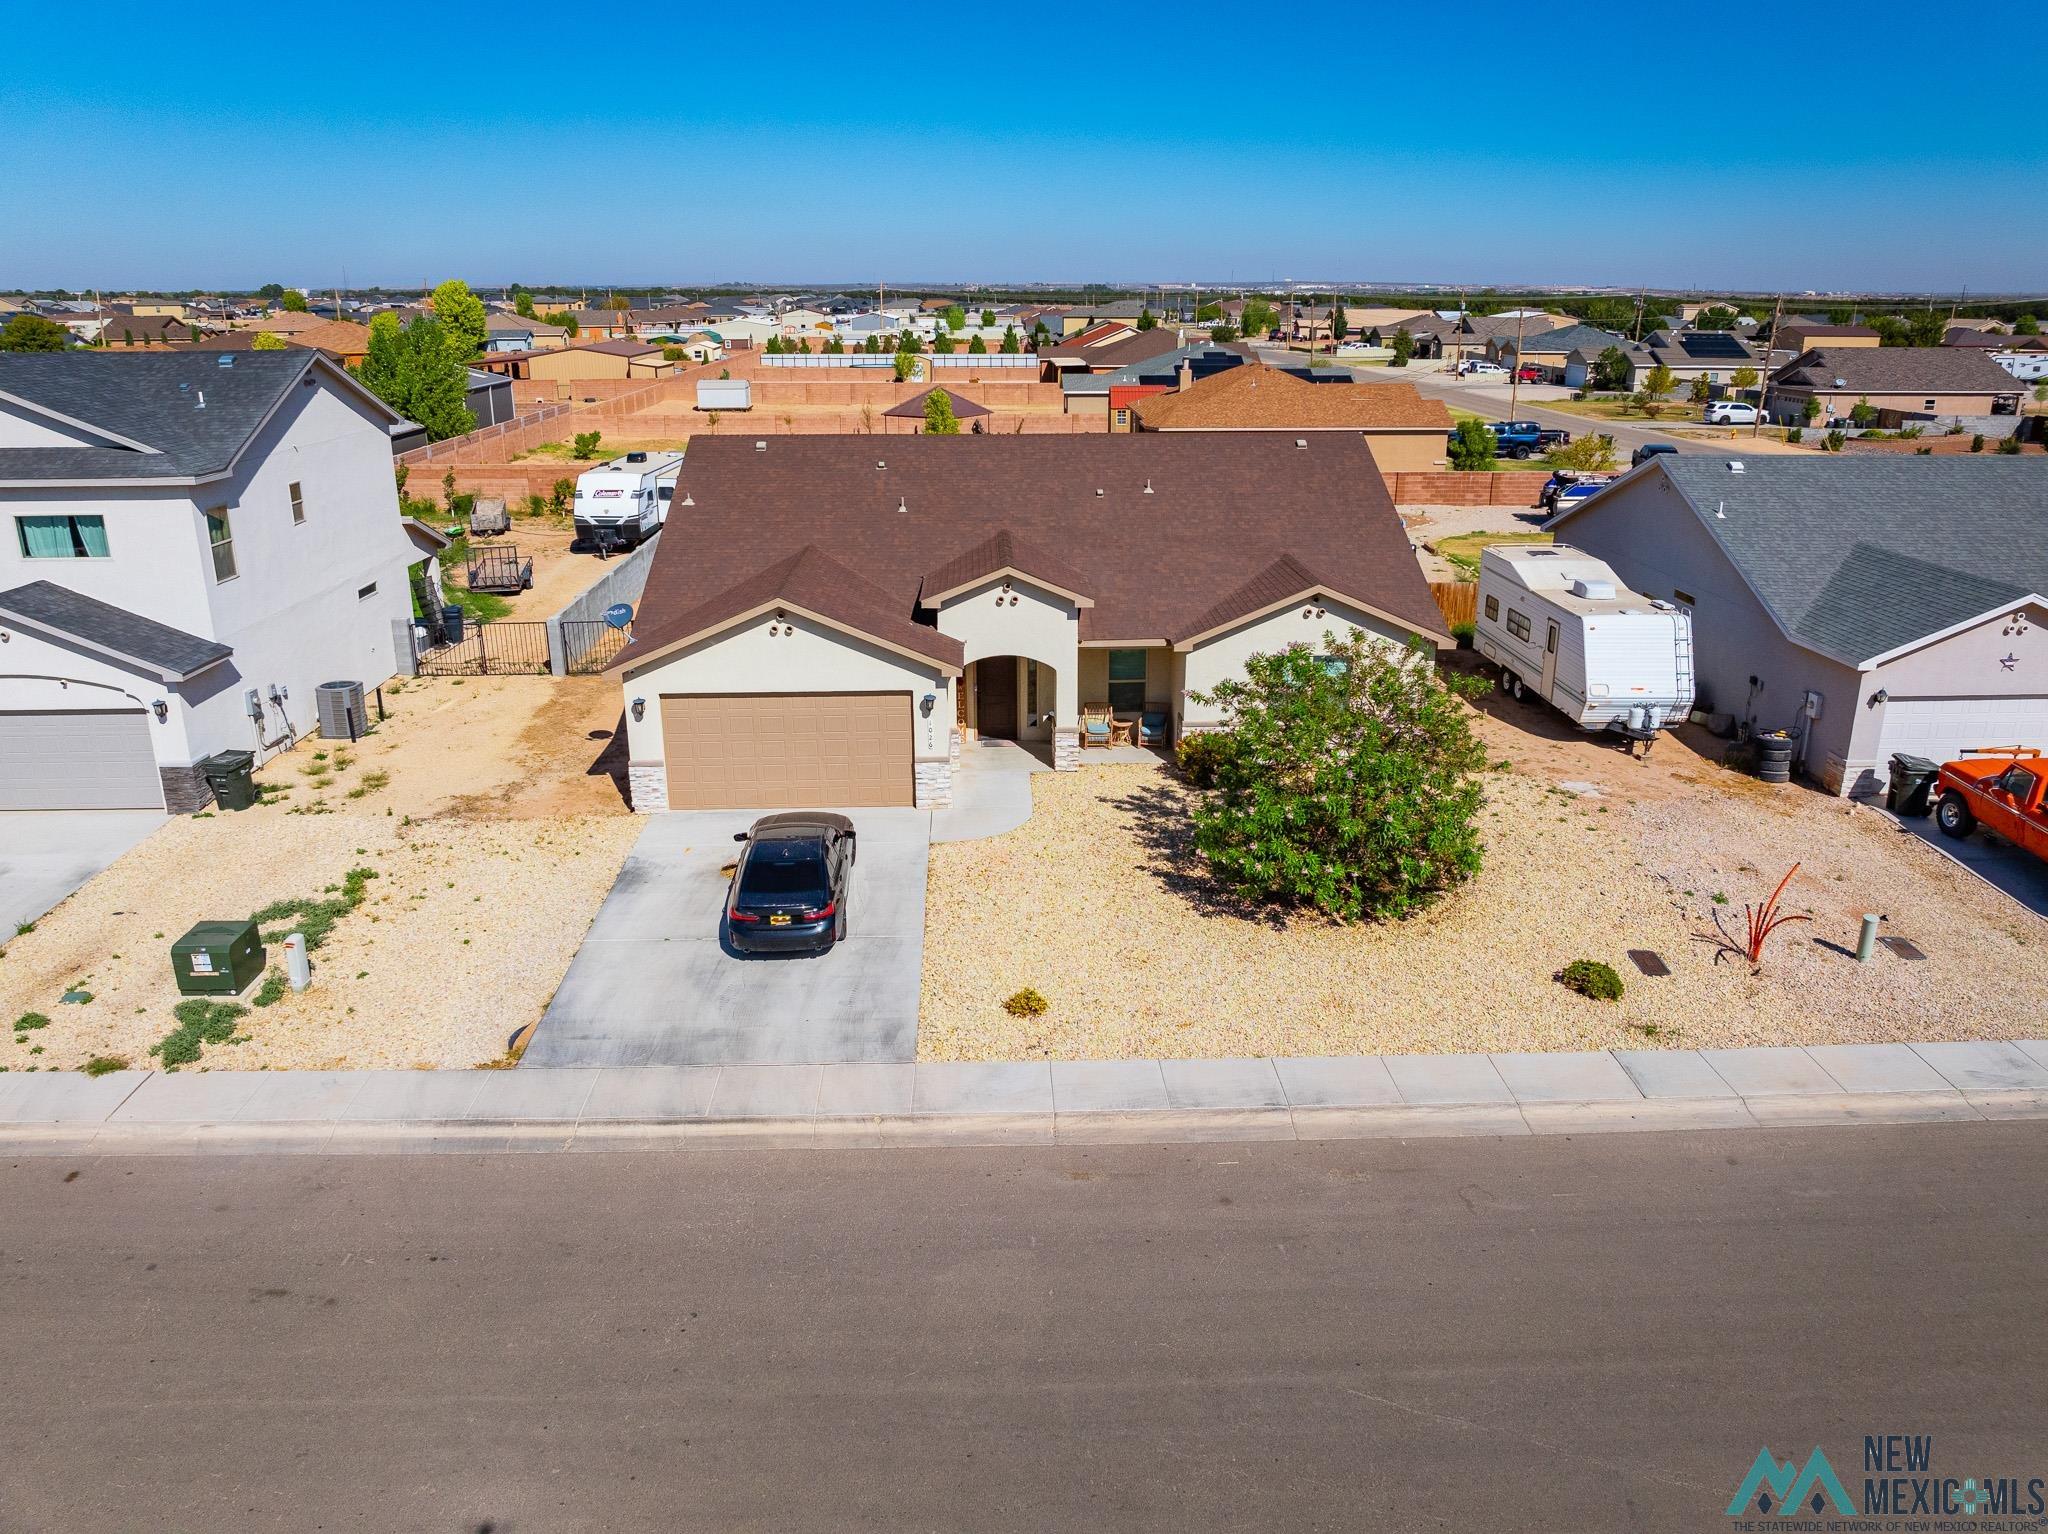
[190, 543]
[830, 619]
[1867, 605]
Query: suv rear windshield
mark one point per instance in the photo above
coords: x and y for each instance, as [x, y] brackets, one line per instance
[783, 868]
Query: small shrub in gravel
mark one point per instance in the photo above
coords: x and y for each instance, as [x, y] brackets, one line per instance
[28, 1022]
[1199, 756]
[1027, 1003]
[100, 1065]
[199, 1022]
[1589, 977]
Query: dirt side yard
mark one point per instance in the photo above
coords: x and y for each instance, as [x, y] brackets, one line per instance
[489, 811]
[1100, 903]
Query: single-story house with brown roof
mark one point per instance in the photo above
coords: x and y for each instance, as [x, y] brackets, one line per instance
[1925, 381]
[842, 612]
[1406, 431]
[584, 360]
[909, 415]
[344, 340]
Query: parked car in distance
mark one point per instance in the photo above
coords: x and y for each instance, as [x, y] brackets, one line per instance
[1650, 450]
[1729, 412]
[1473, 368]
[790, 886]
[2003, 788]
[1522, 439]
[1529, 374]
[1572, 495]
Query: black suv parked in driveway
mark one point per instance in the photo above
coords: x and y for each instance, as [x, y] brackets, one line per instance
[789, 890]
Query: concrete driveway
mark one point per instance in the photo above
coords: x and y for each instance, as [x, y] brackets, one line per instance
[1997, 861]
[654, 984]
[47, 854]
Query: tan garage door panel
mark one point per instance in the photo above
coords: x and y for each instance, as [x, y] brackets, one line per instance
[87, 759]
[794, 750]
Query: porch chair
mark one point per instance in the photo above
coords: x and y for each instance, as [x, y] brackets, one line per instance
[1151, 727]
[1098, 725]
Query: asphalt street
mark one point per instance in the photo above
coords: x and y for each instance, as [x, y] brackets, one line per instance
[1536, 1334]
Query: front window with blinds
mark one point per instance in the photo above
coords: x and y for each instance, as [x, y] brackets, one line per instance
[1518, 624]
[1127, 681]
[61, 537]
[222, 537]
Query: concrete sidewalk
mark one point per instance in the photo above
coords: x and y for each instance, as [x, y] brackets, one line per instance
[1341, 1097]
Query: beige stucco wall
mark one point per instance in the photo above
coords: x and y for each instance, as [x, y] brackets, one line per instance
[815, 658]
[1038, 624]
[1225, 655]
[563, 365]
[1970, 664]
[1398, 452]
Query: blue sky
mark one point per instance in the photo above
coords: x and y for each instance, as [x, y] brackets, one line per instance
[624, 144]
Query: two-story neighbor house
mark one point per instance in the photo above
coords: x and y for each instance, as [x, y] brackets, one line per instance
[1865, 605]
[190, 543]
[847, 610]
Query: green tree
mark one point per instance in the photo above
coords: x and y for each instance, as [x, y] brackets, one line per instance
[835, 347]
[1207, 313]
[1610, 314]
[1346, 781]
[942, 343]
[562, 319]
[461, 314]
[293, 301]
[1719, 317]
[559, 495]
[1610, 369]
[1259, 317]
[988, 319]
[976, 347]
[1340, 323]
[1744, 378]
[522, 305]
[872, 344]
[1147, 320]
[804, 346]
[774, 346]
[1011, 347]
[1891, 330]
[2041, 392]
[271, 292]
[1472, 446]
[939, 420]
[1040, 336]
[127, 336]
[584, 444]
[266, 341]
[1589, 450]
[411, 369]
[1926, 328]
[1404, 348]
[33, 333]
[908, 344]
[2026, 324]
[1221, 333]
[1812, 408]
[1701, 390]
[1863, 413]
[955, 318]
[906, 364]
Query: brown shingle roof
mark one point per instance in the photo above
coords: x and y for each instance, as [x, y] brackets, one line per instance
[1005, 551]
[963, 407]
[809, 579]
[343, 338]
[1256, 396]
[1138, 346]
[1159, 528]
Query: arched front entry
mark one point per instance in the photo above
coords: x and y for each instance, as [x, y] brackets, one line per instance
[1008, 697]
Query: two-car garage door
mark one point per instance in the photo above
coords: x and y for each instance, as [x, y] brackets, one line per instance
[87, 759]
[787, 750]
[1941, 728]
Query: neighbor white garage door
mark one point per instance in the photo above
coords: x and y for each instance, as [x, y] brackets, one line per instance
[83, 760]
[1940, 728]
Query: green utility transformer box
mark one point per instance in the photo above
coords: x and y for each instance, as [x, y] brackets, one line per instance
[218, 958]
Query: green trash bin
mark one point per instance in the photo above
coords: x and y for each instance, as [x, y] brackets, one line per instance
[231, 776]
[218, 958]
[1910, 790]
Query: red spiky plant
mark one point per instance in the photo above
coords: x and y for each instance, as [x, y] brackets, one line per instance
[1760, 921]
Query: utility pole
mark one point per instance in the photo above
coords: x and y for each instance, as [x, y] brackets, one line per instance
[1763, 384]
[1515, 378]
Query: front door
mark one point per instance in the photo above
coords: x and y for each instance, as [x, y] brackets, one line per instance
[995, 697]
[1549, 662]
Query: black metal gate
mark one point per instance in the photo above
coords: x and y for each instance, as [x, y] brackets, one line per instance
[500, 648]
[589, 645]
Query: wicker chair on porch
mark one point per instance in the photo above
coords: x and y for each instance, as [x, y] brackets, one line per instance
[1153, 727]
[1098, 725]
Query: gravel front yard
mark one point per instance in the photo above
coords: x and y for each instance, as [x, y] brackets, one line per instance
[494, 843]
[1100, 903]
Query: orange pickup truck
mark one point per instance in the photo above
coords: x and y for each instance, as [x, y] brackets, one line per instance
[1999, 787]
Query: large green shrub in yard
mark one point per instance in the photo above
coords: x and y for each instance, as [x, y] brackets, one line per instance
[1346, 780]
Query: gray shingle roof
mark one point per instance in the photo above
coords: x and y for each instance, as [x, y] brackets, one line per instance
[171, 653]
[1567, 339]
[1858, 556]
[151, 399]
[1900, 370]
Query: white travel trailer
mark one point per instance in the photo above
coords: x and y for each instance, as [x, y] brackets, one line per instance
[621, 504]
[1561, 625]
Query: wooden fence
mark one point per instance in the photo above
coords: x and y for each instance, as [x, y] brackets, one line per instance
[1458, 601]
